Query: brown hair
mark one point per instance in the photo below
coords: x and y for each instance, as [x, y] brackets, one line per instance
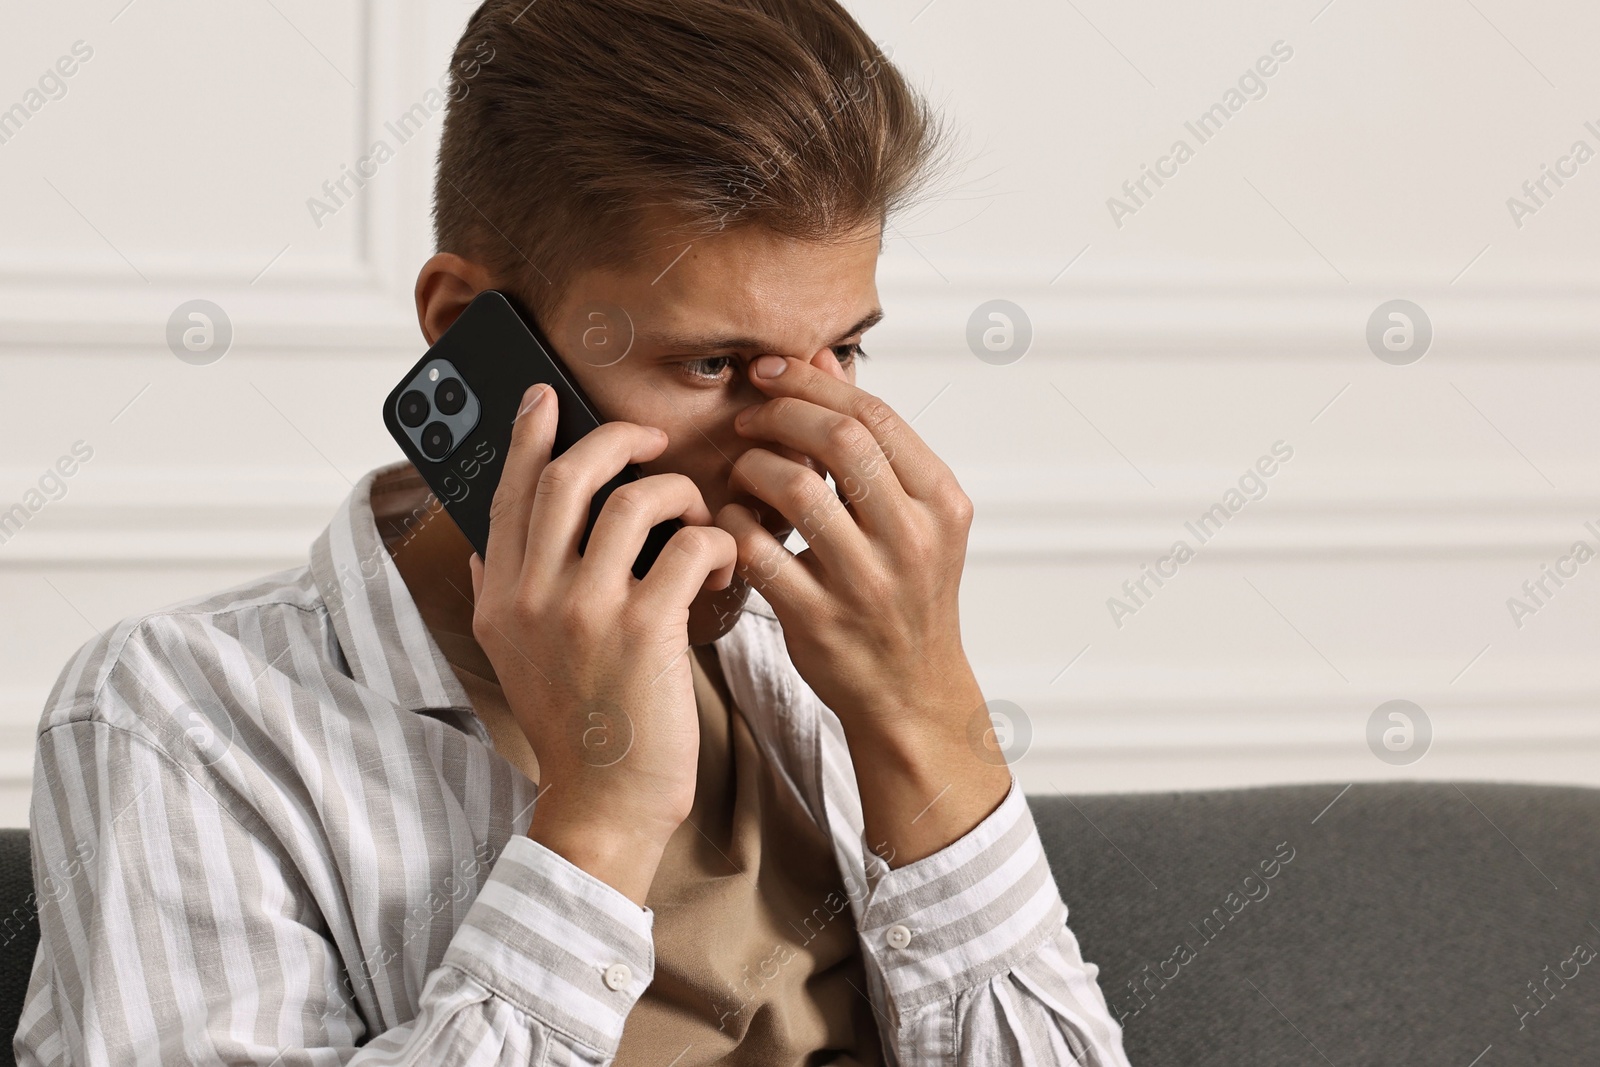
[573, 125]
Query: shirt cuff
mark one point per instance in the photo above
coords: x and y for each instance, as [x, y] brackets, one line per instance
[557, 942]
[970, 911]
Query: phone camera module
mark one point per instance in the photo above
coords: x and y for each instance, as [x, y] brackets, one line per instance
[413, 408]
[450, 397]
[436, 440]
[436, 410]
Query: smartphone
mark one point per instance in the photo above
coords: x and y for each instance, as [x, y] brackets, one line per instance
[452, 413]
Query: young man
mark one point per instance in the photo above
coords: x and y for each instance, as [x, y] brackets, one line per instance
[297, 821]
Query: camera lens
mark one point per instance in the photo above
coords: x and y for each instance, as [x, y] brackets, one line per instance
[413, 407]
[436, 441]
[450, 397]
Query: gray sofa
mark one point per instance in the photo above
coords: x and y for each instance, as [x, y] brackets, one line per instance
[1394, 924]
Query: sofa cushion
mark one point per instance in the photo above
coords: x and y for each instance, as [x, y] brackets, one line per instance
[1393, 923]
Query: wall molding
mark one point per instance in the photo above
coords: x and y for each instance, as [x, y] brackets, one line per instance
[364, 312]
[305, 302]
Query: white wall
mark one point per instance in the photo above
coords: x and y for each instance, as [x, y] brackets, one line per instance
[1171, 351]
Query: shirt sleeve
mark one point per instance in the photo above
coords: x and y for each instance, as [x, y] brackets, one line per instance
[170, 933]
[975, 957]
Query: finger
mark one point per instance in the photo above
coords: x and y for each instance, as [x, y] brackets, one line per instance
[844, 447]
[567, 487]
[804, 500]
[918, 470]
[533, 433]
[475, 565]
[625, 521]
[783, 578]
[688, 562]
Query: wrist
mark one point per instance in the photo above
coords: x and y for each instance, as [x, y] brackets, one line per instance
[922, 737]
[618, 852]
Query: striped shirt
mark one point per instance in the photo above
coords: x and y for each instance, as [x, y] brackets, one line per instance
[268, 829]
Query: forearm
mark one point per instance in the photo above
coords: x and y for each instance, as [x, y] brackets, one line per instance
[923, 786]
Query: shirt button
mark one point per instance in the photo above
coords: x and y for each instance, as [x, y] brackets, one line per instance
[618, 975]
[899, 936]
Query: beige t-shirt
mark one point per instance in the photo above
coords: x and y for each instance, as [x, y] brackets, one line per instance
[757, 959]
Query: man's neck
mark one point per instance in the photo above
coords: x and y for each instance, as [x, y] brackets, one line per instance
[432, 560]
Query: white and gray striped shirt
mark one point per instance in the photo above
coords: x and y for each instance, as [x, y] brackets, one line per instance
[268, 829]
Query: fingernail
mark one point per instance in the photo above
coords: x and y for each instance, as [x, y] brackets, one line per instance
[744, 416]
[769, 366]
[532, 398]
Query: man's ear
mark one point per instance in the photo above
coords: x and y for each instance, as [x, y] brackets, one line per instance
[445, 286]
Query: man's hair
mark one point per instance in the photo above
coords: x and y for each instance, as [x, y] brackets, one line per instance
[581, 132]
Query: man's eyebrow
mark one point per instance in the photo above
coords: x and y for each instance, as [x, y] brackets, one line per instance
[680, 343]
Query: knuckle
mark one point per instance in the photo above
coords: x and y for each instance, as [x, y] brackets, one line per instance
[681, 480]
[748, 544]
[630, 500]
[558, 478]
[955, 505]
[574, 614]
[505, 504]
[524, 608]
[696, 541]
[802, 484]
[483, 626]
[877, 416]
[780, 408]
[849, 438]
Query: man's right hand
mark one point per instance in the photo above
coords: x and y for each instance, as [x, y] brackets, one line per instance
[593, 661]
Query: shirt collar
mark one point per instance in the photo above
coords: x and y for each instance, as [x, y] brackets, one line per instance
[385, 643]
[388, 647]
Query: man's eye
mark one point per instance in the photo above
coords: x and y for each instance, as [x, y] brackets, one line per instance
[846, 353]
[708, 369]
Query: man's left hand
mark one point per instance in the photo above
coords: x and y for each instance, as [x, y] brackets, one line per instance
[869, 609]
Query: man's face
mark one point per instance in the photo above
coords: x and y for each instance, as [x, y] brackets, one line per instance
[698, 318]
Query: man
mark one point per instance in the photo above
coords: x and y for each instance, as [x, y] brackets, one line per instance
[298, 821]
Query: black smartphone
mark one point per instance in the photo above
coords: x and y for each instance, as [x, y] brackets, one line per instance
[452, 414]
